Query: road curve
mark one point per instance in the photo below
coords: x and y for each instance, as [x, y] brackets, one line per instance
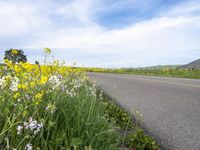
[170, 106]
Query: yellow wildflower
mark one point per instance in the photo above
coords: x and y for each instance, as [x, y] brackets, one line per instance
[24, 113]
[43, 79]
[22, 86]
[47, 50]
[14, 52]
[38, 96]
[37, 102]
[8, 63]
[32, 84]
[16, 95]
[17, 69]
[56, 62]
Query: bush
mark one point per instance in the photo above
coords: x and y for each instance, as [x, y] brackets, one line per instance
[15, 55]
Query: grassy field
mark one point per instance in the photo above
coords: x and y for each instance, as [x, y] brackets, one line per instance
[54, 107]
[167, 72]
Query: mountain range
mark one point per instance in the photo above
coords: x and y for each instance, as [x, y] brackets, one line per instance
[192, 65]
[195, 65]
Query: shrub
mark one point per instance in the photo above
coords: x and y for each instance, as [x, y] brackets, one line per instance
[15, 55]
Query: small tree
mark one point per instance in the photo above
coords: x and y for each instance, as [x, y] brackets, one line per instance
[15, 55]
[37, 62]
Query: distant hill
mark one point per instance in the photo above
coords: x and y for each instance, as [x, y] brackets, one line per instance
[193, 65]
[158, 67]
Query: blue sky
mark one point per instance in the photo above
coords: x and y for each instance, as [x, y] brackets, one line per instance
[103, 33]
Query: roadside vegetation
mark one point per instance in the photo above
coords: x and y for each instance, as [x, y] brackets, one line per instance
[165, 72]
[54, 106]
[132, 136]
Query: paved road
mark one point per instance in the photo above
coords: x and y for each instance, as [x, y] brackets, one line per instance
[170, 106]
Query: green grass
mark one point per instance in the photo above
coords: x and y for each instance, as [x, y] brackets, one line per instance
[178, 73]
[140, 141]
[51, 108]
[77, 123]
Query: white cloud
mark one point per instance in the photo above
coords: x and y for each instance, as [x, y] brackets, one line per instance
[18, 18]
[78, 9]
[155, 41]
[170, 38]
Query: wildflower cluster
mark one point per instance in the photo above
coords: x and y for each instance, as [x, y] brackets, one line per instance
[31, 125]
[54, 81]
[47, 106]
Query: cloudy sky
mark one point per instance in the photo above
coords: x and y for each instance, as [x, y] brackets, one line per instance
[103, 33]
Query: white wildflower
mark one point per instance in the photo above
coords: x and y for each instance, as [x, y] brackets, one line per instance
[2, 82]
[101, 95]
[63, 87]
[19, 129]
[93, 90]
[77, 83]
[54, 81]
[28, 147]
[33, 125]
[27, 96]
[14, 84]
[71, 92]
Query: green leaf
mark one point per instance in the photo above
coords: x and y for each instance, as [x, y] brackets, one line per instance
[76, 142]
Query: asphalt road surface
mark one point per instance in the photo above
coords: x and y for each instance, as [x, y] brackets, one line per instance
[170, 106]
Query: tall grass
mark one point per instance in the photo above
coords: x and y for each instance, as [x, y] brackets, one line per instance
[51, 107]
